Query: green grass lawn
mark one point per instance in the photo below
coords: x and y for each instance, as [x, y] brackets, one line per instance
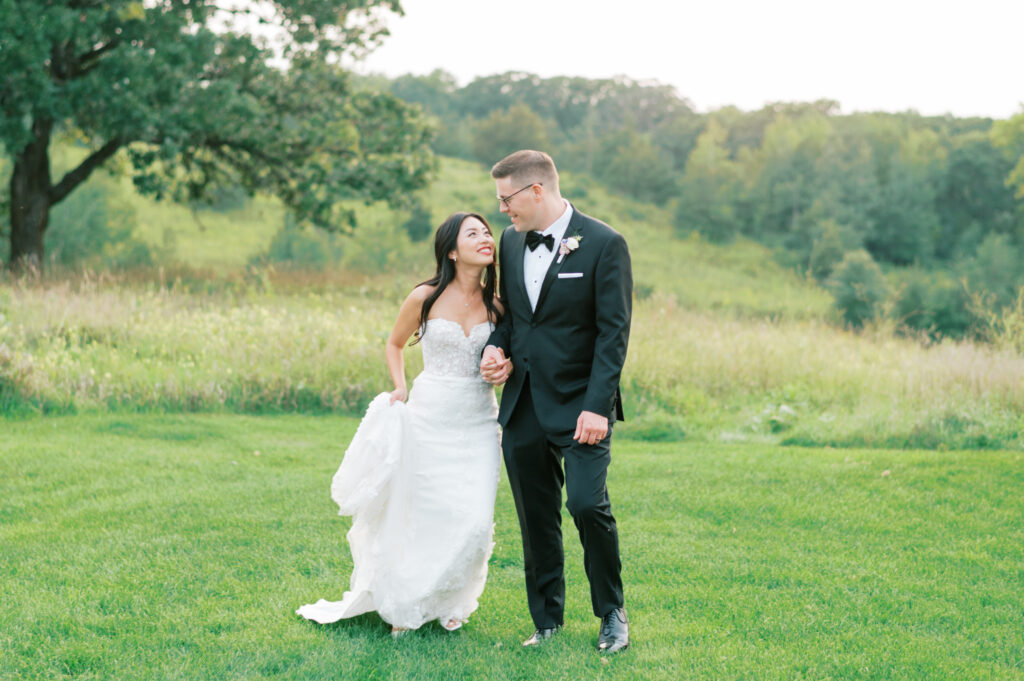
[178, 547]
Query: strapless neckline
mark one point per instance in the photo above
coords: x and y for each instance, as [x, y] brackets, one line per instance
[462, 328]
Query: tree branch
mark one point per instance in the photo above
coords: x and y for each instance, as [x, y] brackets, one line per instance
[81, 63]
[77, 176]
[270, 164]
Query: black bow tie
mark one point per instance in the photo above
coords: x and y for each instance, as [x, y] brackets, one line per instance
[534, 239]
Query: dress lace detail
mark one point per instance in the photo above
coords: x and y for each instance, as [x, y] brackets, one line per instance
[446, 352]
[419, 480]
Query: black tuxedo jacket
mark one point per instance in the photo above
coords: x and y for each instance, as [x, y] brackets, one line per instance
[574, 345]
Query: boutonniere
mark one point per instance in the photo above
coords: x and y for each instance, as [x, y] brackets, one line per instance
[568, 245]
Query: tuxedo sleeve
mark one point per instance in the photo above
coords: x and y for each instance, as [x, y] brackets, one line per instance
[613, 302]
[501, 337]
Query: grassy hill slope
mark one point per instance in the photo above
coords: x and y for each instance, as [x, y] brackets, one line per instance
[742, 277]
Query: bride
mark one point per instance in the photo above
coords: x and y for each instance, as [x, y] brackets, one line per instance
[421, 473]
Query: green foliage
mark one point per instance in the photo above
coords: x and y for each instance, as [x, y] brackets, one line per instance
[708, 191]
[677, 138]
[859, 288]
[198, 110]
[996, 271]
[933, 303]
[504, 132]
[303, 247]
[419, 226]
[1005, 327]
[224, 199]
[629, 163]
[828, 251]
[1008, 135]
[86, 230]
[789, 177]
[903, 215]
[911, 190]
[974, 196]
[575, 104]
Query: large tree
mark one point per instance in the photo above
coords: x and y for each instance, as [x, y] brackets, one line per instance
[201, 93]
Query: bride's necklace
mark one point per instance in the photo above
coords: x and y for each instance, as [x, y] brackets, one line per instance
[466, 302]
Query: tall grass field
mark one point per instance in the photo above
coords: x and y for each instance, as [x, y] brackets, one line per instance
[289, 342]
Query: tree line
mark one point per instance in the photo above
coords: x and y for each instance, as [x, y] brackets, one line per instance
[935, 200]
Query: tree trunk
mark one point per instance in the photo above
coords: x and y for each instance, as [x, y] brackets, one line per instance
[30, 199]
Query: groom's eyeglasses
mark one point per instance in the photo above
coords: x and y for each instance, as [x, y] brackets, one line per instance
[506, 199]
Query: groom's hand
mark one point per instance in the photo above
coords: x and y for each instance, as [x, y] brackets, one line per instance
[494, 366]
[591, 428]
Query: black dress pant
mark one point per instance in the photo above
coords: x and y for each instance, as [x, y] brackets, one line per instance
[534, 461]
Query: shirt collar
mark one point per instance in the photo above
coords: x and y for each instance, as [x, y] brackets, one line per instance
[558, 227]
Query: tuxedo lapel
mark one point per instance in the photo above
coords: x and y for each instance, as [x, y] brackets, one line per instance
[575, 227]
[516, 245]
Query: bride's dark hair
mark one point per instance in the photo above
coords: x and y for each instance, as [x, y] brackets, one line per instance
[446, 240]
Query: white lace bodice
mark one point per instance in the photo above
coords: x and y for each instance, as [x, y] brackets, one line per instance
[448, 351]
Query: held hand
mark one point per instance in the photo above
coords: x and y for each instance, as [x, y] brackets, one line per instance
[503, 373]
[398, 395]
[591, 428]
[494, 366]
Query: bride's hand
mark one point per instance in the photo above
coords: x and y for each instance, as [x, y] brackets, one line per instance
[399, 395]
[494, 366]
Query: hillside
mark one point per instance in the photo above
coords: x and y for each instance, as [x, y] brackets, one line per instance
[741, 278]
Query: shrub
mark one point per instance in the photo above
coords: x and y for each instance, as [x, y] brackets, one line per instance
[827, 252]
[996, 269]
[1005, 328]
[933, 302]
[859, 287]
[89, 228]
[418, 226]
[299, 246]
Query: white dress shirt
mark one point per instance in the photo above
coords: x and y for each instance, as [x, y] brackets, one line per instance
[537, 261]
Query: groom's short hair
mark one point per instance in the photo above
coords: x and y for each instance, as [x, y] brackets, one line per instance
[527, 165]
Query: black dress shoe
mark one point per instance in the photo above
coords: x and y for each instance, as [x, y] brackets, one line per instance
[614, 634]
[539, 636]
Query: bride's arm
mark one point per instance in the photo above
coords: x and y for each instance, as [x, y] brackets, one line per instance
[405, 326]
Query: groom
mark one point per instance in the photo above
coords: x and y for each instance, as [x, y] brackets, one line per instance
[566, 285]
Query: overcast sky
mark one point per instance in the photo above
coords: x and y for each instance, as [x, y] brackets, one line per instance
[936, 56]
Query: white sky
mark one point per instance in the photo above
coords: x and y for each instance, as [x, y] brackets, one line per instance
[964, 57]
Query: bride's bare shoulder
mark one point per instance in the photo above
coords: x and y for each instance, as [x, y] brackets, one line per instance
[422, 292]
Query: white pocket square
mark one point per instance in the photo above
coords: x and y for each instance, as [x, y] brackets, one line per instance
[570, 275]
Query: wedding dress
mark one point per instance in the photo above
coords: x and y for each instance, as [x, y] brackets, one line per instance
[420, 480]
